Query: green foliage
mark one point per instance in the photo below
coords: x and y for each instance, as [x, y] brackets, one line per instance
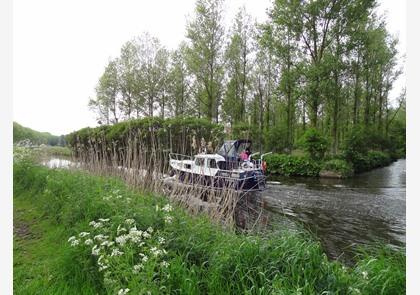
[289, 165]
[314, 143]
[339, 166]
[203, 258]
[21, 133]
[175, 133]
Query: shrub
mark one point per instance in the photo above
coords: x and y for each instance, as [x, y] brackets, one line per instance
[314, 143]
[370, 160]
[339, 166]
[289, 165]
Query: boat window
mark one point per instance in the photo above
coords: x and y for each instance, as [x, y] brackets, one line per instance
[212, 163]
[222, 165]
[199, 161]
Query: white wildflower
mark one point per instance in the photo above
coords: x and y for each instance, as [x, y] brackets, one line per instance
[130, 221]
[365, 275]
[144, 259]
[72, 238]
[150, 229]
[164, 264]
[100, 237]
[167, 208]
[107, 243]
[116, 252]
[118, 197]
[168, 219]
[120, 229]
[83, 234]
[137, 268]
[89, 242]
[146, 235]
[161, 240]
[95, 250]
[103, 219]
[123, 291]
[155, 251]
[95, 224]
[74, 243]
[121, 239]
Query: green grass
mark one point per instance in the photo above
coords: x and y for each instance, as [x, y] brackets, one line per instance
[203, 257]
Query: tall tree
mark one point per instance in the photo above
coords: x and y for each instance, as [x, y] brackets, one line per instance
[204, 55]
[105, 104]
[238, 65]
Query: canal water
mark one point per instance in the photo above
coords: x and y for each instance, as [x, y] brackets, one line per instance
[343, 214]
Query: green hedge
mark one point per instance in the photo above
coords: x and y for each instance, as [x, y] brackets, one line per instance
[175, 134]
[289, 165]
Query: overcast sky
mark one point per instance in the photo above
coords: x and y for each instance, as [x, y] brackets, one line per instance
[60, 49]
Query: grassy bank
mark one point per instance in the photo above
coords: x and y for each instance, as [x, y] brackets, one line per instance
[90, 235]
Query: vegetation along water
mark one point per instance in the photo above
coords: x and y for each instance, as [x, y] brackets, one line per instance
[76, 233]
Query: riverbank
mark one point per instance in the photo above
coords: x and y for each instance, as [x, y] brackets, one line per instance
[185, 254]
[339, 167]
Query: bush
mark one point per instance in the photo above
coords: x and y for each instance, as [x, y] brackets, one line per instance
[289, 165]
[371, 160]
[314, 143]
[339, 166]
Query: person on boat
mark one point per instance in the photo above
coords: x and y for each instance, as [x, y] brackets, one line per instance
[244, 155]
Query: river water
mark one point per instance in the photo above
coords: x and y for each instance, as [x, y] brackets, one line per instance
[343, 214]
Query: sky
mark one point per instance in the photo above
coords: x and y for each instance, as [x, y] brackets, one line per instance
[60, 49]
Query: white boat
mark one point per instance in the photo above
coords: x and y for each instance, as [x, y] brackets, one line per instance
[222, 170]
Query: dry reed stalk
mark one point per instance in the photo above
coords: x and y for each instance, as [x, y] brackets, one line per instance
[144, 165]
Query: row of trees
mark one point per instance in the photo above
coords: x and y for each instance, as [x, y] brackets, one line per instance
[325, 64]
[21, 133]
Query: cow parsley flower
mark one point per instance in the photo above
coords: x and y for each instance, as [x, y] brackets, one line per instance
[137, 268]
[168, 219]
[123, 291]
[72, 238]
[74, 243]
[164, 264]
[167, 208]
[365, 275]
[130, 221]
[121, 239]
[83, 234]
[95, 250]
[116, 252]
[161, 240]
[89, 242]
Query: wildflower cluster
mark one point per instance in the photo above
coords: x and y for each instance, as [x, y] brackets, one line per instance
[21, 154]
[116, 195]
[123, 252]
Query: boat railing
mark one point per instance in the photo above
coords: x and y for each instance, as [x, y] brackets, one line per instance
[179, 157]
